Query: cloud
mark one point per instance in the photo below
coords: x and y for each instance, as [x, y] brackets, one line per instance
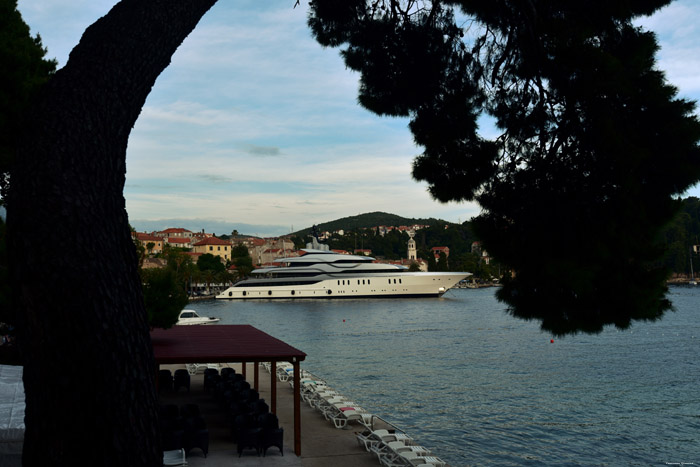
[261, 150]
[213, 178]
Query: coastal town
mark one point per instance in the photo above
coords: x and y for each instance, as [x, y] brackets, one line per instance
[264, 251]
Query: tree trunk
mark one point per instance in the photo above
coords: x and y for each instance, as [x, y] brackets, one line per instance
[89, 373]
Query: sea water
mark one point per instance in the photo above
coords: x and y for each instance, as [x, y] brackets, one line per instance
[479, 387]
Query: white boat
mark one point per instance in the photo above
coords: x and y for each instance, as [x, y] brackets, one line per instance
[320, 273]
[188, 317]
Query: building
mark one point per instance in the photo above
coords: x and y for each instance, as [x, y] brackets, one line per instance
[436, 250]
[412, 251]
[481, 253]
[179, 242]
[214, 246]
[174, 233]
[147, 239]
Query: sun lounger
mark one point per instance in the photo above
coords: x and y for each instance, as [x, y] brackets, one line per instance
[370, 438]
[344, 417]
[175, 457]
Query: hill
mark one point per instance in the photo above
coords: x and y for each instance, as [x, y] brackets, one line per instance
[371, 219]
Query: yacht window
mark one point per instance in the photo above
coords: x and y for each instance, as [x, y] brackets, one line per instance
[338, 282]
[367, 281]
[363, 282]
[399, 281]
[390, 281]
[358, 281]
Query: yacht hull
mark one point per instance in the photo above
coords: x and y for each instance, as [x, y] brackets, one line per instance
[419, 284]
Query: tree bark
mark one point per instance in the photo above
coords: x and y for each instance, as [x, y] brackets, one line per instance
[89, 372]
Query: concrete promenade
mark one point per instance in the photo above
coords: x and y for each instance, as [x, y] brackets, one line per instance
[322, 445]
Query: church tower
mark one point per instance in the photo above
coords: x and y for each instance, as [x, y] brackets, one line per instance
[411, 247]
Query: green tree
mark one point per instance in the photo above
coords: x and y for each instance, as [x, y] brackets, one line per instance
[240, 257]
[209, 262]
[164, 297]
[594, 143]
[442, 262]
[25, 70]
[414, 267]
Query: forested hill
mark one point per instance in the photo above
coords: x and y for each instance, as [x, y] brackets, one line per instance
[678, 237]
[370, 219]
[681, 234]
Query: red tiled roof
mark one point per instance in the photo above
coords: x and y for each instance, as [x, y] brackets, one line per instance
[178, 240]
[144, 237]
[218, 344]
[175, 230]
[212, 241]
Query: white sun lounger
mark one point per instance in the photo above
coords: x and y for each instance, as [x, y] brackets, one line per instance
[344, 417]
[175, 457]
[369, 439]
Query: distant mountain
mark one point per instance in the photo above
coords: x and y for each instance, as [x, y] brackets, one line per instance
[371, 219]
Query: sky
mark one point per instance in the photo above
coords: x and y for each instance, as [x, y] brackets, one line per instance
[255, 127]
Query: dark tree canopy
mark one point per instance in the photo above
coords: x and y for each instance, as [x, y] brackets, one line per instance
[24, 71]
[594, 144]
[164, 297]
[209, 262]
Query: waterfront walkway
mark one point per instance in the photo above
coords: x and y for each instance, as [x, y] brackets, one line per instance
[322, 444]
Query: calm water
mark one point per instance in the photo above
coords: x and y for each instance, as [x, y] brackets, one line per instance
[479, 387]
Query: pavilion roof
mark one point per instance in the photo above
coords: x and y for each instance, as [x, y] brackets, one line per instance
[220, 343]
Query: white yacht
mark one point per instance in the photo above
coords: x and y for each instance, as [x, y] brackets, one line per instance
[319, 273]
[188, 317]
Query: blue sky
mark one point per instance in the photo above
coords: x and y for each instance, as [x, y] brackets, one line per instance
[256, 127]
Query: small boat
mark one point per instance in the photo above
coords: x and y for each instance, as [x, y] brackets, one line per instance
[188, 317]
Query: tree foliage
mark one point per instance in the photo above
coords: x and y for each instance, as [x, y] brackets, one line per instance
[164, 297]
[209, 262]
[594, 142]
[240, 257]
[25, 70]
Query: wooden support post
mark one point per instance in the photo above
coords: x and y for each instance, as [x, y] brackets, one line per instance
[256, 367]
[273, 387]
[244, 366]
[297, 407]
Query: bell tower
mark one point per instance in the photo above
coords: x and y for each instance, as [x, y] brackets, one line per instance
[411, 247]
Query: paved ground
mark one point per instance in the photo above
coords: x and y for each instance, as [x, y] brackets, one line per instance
[322, 445]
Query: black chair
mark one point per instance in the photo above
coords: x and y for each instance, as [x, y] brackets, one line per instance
[182, 379]
[211, 377]
[196, 435]
[253, 395]
[165, 381]
[247, 434]
[272, 434]
[189, 411]
[259, 407]
[169, 412]
[172, 433]
[226, 371]
[242, 385]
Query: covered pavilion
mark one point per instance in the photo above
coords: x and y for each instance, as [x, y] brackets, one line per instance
[232, 344]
